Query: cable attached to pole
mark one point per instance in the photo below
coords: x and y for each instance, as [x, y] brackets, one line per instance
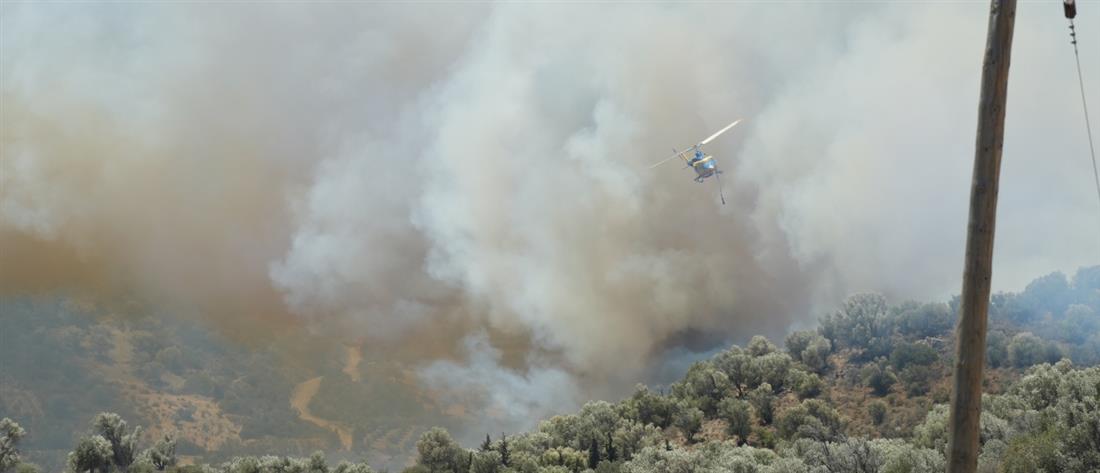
[1071, 11]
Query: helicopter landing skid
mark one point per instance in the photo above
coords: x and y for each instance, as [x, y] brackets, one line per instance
[700, 179]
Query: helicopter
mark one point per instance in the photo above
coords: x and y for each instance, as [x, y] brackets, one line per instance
[704, 165]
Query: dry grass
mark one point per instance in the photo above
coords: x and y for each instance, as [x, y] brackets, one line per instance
[208, 426]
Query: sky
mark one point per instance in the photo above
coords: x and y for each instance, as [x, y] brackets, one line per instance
[467, 173]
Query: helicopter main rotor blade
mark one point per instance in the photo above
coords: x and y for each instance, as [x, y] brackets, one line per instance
[665, 160]
[731, 125]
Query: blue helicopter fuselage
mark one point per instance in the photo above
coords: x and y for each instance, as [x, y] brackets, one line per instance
[703, 165]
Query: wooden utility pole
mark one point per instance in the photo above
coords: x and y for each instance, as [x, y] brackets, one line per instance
[966, 399]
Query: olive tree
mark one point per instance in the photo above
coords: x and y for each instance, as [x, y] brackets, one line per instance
[813, 419]
[689, 419]
[438, 451]
[92, 454]
[123, 441]
[162, 454]
[738, 417]
[809, 348]
[10, 435]
[348, 467]
[703, 386]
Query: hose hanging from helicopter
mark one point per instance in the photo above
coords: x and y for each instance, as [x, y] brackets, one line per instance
[1070, 9]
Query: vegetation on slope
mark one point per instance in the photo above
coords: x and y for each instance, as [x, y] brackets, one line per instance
[862, 393]
[61, 361]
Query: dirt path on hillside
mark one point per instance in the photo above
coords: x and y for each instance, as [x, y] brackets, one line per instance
[351, 365]
[299, 400]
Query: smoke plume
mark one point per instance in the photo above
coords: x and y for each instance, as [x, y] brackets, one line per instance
[386, 171]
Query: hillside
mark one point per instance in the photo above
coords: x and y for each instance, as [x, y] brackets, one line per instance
[865, 392]
[65, 360]
[869, 384]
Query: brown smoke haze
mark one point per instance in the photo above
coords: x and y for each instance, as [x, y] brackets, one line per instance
[440, 176]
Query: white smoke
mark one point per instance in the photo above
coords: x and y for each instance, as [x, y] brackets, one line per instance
[502, 399]
[379, 171]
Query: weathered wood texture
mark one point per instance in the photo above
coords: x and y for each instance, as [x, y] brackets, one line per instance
[966, 398]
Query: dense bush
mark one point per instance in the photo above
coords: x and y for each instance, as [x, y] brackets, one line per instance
[10, 436]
